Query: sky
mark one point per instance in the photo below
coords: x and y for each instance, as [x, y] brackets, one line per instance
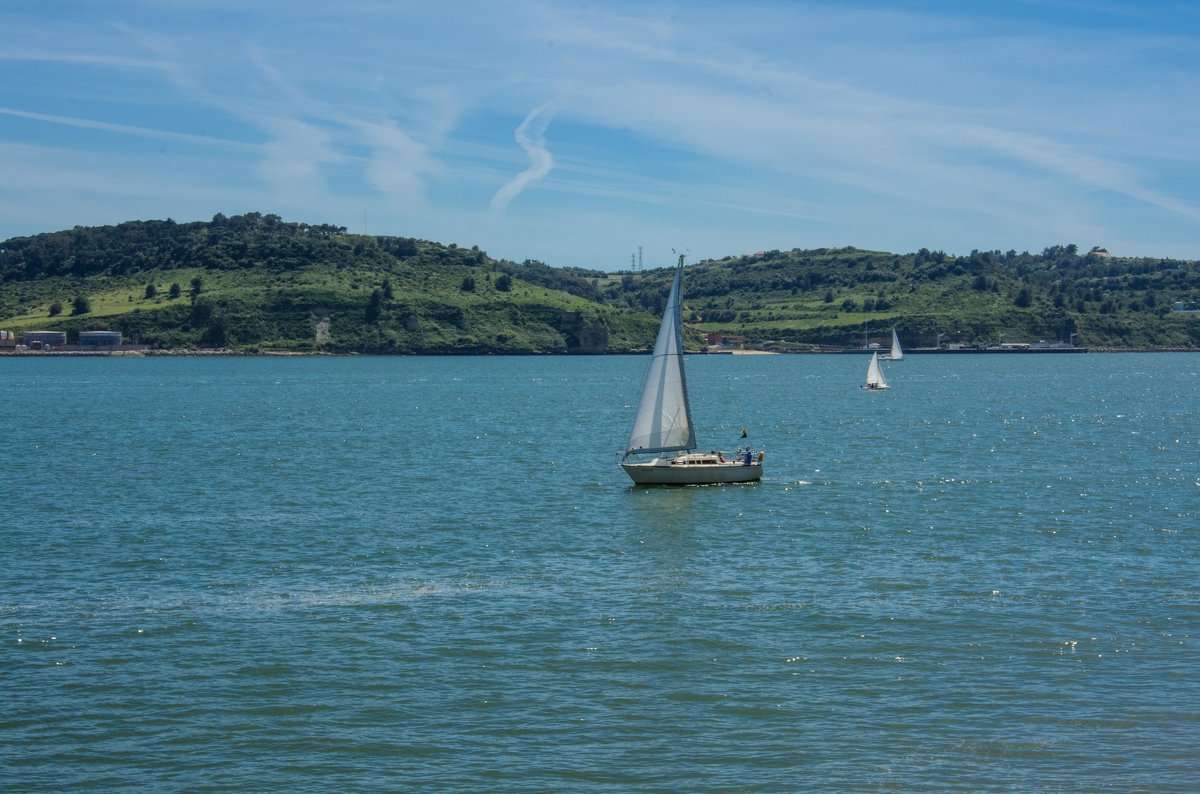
[577, 133]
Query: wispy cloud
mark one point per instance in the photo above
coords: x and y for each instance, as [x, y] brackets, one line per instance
[56, 57]
[305, 135]
[775, 124]
[531, 135]
[398, 164]
[122, 129]
[293, 156]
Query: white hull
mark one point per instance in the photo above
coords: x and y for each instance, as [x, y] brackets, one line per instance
[681, 471]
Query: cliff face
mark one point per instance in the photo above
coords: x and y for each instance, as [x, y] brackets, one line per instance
[583, 335]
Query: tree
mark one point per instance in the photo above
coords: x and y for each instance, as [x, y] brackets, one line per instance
[504, 283]
[197, 283]
[1024, 298]
[468, 284]
[176, 291]
[151, 291]
[375, 307]
[217, 333]
[388, 292]
[202, 312]
[55, 309]
[81, 305]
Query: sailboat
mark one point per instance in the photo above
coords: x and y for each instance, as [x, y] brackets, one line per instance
[896, 353]
[875, 379]
[663, 427]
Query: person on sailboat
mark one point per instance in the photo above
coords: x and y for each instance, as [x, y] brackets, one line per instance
[748, 458]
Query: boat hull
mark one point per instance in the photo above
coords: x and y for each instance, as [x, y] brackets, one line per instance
[666, 472]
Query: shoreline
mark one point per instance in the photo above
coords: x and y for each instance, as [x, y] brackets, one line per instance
[227, 352]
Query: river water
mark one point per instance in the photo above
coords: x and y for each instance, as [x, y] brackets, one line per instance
[231, 574]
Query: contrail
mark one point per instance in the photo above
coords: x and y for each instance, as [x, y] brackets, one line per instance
[531, 136]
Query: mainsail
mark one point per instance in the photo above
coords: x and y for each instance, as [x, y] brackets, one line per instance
[875, 379]
[664, 421]
[896, 354]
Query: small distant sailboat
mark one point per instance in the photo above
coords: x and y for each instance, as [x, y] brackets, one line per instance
[875, 379]
[663, 424]
[896, 354]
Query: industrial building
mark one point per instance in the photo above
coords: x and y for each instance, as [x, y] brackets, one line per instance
[107, 340]
[43, 340]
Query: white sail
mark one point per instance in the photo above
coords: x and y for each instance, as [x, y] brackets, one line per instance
[664, 421]
[896, 354]
[875, 379]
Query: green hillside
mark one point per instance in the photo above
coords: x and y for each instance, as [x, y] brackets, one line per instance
[257, 282]
[791, 300]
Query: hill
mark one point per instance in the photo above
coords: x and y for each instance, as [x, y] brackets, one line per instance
[256, 281]
[798, 299]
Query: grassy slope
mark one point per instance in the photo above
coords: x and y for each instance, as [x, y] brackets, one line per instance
[269, 309]
[772, 304]
[281, 288]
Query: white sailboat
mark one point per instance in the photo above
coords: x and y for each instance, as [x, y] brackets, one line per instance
[875, 379]
[896, 354]
[663, 424]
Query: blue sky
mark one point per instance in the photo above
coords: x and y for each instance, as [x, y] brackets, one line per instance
[574, 133]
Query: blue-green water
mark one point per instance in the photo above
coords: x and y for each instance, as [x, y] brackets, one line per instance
[429, 574]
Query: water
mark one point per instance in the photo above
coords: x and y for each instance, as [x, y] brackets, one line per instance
[429, 574]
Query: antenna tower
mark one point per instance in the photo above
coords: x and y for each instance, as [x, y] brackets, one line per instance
[639, 267]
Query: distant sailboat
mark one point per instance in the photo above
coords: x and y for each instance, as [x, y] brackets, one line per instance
[896, 353]
[875, 379]
[663, 423]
